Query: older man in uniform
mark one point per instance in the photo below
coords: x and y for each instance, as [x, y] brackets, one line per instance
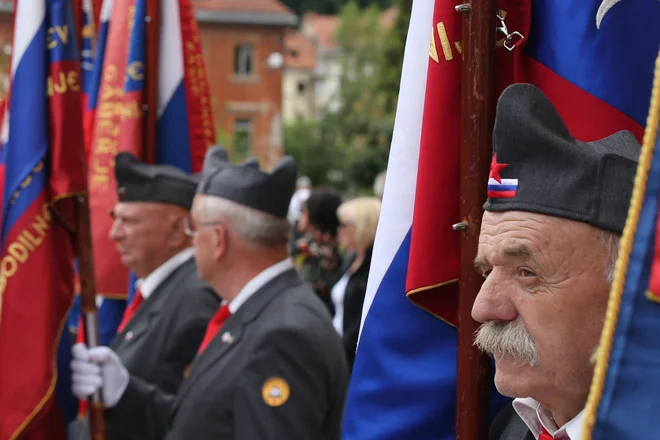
[164, 325]
[271, 365]
[549, 240]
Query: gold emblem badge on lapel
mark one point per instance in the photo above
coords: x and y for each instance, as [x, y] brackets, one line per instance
[275, 391]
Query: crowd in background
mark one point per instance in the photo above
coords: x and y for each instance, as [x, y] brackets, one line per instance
[332, 246]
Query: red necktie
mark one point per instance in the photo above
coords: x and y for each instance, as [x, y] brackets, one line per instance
[545, 435]
[214, 326]
[130, 310]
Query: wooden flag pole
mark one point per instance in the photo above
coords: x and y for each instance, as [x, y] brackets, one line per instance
[150, 118]
[85, 254]
[478, 110]
[88, 304]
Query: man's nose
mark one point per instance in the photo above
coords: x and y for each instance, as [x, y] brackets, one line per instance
[493, 303]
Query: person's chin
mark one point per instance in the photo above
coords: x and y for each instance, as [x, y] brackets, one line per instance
[512, 375]
[127, 259]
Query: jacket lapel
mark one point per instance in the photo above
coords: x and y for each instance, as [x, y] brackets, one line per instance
[231, 332]
[147, 313]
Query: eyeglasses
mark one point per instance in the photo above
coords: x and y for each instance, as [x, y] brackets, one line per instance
[190, 228]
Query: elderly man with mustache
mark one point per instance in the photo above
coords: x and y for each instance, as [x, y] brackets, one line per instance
[549, 240]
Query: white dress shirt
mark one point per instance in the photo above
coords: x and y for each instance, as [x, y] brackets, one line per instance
[258, 282]
[337, 295]
[535, 416]
[149, 284]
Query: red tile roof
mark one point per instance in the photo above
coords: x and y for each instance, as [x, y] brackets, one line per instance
[300, 51]
[273, 6]
[322, 28]
[388, 17]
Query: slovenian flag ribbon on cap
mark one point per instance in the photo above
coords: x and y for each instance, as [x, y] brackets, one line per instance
[499, 188]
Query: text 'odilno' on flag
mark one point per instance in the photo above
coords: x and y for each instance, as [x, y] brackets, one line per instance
[184, 128]
[42, 155]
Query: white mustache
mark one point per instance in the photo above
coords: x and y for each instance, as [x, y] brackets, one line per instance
[509, 339]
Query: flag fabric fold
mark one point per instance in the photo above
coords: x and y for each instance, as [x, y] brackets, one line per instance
[43, 154]
[403, 382]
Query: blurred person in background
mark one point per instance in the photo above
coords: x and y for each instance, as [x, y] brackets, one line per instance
[303, 190]
[299, 197]
[316, 253]
[358, 219]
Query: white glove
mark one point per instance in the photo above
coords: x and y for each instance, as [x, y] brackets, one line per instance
[96, 368]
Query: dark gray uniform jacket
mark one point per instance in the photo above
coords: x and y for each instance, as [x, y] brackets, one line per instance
[507, 425]
[276, 370]
[160, 341]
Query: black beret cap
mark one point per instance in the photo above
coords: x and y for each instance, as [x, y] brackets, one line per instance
[537, 166]
[247, 185]
[139, 182]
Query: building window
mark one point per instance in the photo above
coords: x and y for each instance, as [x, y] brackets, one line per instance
[242, 137]
[301, 88]
[244, 62]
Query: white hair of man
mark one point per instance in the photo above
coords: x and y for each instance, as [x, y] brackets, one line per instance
[255, 228]
[512, 339]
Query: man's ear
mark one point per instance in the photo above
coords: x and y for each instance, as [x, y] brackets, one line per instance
[220, 239]
[176, 233]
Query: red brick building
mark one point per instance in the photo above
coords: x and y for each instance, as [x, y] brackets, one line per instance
[243, 43]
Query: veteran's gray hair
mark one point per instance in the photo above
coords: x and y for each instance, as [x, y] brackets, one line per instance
[254, 227]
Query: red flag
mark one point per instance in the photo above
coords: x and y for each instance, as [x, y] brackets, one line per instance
[111, 276]
[434, 250]
[43, 154]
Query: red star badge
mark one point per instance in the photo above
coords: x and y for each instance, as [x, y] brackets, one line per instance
[495, 169]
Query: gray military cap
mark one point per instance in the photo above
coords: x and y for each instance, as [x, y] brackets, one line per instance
[247, 185]
[537, 166]
[139, 182]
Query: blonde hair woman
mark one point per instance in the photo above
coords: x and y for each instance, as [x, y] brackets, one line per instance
[358, 219]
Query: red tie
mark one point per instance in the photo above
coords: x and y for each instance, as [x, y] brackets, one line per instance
[130, 310]
[214, 326]
[545, 435]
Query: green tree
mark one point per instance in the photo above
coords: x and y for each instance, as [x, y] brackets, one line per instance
[354, 134]
[304, 141]
[393, 50]
[361, 127]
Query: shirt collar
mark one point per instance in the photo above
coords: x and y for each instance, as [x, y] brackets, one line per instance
[155, 278]
[258, 282]
[534, 415]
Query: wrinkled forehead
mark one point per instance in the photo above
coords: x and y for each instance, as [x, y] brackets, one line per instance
[525, 235]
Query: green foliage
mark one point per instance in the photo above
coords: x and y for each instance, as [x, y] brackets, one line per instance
[304, 141]
[355, 137]
[393, 51]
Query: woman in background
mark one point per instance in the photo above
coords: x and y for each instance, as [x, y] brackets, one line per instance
[316, 253]
[358, 219]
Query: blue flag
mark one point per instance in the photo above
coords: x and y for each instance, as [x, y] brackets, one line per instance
[625, 393]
